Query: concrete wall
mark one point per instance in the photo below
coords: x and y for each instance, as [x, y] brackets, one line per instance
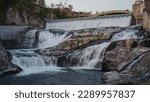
[146, 15]
[138, 8]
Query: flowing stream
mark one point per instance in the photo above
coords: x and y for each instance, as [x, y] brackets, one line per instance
[31, 62]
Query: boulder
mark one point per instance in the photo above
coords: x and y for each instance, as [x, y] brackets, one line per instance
[4, 61]
[116, 78]
[83, 38]
[142, 65]
[121, 53]
[13, 36]
[139, 73]
[26, 17]
[6, 67]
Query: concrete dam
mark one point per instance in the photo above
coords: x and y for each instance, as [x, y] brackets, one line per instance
[116, 20]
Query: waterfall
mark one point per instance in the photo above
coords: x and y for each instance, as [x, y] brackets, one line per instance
[124, 35]
[49, 39]
[24, 58]
[91, 56]
[43, 39]
[32, 62]
[97, 22]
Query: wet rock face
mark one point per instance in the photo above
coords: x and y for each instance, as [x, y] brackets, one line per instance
[80, 40]
[127, 63]
[138, 74]
[65, 61]
[13, 36]
[83, 38]
[6, 67]
[120, 53]
[116, 78]
[142, 65]
[14, 17]
[3, 57]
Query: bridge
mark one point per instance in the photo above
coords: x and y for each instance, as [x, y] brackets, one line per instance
[113, 12]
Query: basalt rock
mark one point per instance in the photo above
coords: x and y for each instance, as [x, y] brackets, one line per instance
[116, 78]
[139, 73]
[84, 38]
[13, 36]
[6, 67]
[127, 62]
[142, 65]
[119, 54]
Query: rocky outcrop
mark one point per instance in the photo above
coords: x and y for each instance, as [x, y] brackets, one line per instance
[24, 12]
[14, 17]
[142, 66]
[119, 54]
[139, 73]
[114, 78]
[13, 36]
[80, 40]
[83, 38]
[6, 67]
[127, 62]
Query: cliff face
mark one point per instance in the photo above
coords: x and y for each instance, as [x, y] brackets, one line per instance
[13, 17]
[6, 67]
[24, 12]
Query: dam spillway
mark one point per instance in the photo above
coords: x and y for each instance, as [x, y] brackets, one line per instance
[119, 20]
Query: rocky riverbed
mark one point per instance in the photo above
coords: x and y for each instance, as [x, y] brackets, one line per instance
[110, 55]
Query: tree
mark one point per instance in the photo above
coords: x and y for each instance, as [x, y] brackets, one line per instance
[52, 5]
[70, 7]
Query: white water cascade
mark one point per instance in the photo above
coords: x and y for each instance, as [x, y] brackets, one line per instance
[32, 63]
[89, 57]
[27, 58]
[95, 22]
[49, 39]
[43, 39]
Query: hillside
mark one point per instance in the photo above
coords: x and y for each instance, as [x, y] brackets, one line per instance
[24, 12]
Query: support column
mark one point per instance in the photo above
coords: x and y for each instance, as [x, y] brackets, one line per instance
[146, 16]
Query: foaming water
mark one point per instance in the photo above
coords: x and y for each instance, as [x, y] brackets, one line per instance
[92, 56]
[76, 24]
[124, 35]
[32, 63]
[49, 39]
[35, 39]
[88, 58]
[27, 59]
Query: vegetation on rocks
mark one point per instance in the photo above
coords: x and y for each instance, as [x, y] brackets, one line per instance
[27, 10]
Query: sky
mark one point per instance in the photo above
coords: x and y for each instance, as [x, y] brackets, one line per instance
[96, 5]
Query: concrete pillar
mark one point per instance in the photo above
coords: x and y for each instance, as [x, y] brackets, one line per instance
[138, 8]
[146, 15]
[147, 4]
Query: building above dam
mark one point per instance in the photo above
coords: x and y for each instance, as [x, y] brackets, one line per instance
[141, 13]
[146, 15]
[138, 8]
